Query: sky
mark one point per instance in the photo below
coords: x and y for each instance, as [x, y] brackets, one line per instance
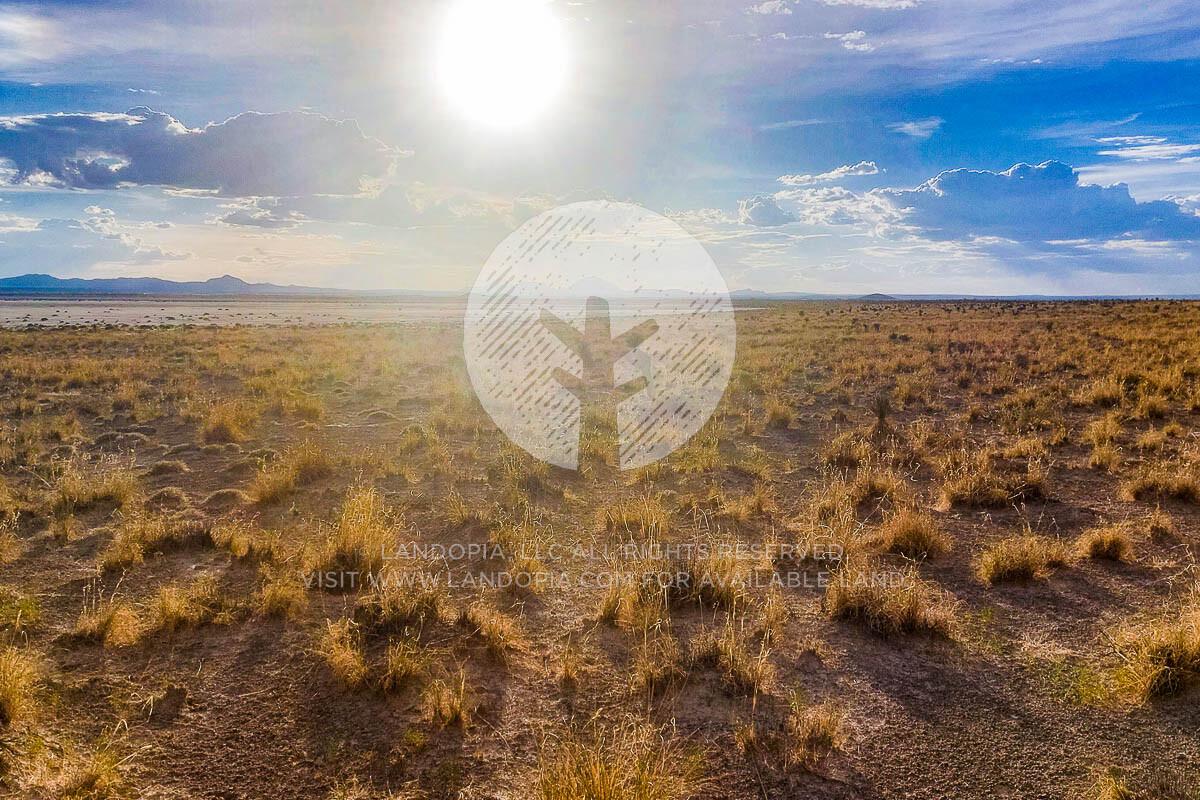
[840, 146]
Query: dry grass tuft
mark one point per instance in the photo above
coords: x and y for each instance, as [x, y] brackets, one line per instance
[20, 679]
[890, 602]
[359, 541]
[1163, 481]
[404, 663]
[743, 671]
[1110, 542]
[497, 630]
[914, 534]
[113, 623]
[1023, 557]
[97, 777]
[630, 762]
[176, 607]
[282, 593]
[448, 702]
[295, 468]
[1161, 658]
[341, 647]
[81, 488]
[228, 422]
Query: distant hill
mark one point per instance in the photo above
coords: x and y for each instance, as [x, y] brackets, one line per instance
[224, 285]
[876, 297]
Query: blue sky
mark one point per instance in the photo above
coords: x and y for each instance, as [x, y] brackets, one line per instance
[991, 146]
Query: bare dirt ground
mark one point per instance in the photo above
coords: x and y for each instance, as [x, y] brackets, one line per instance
[967, 568]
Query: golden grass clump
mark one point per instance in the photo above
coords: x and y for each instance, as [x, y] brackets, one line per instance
[228, 422]
[201, 602]
[20, 679]
[890, 602]
[1161, 658]
[136, 535]
[395, 603]
[96, 777]
[1111, 542]
[282, 593]
[81, 488]
[448, 701]
[1164, 480]
[628, 762]
[358, 542]
[497, 630]
[297, 467]
[744, 671]
[341, 646]
[645, 517]
[405, 662]
[1023, 557]
[113, 623]
[913, 533]
[975, 482]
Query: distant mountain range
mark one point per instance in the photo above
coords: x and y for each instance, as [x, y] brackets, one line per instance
[230, 286]
[224, 285]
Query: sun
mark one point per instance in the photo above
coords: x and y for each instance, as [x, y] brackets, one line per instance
[501, 63]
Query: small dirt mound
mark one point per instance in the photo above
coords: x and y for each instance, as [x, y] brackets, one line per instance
[225, 499]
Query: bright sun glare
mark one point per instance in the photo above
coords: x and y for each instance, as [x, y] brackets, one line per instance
[501, 62]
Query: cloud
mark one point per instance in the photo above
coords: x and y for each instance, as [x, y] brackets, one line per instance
[260, 212]
[854, 40]
[845, 171]
[1043, 203]
[1152, 151]
[71, 246]
[771, 7]
[889, 5]
[763, 212]
[789, 124]
[918, 128]
[251, 154]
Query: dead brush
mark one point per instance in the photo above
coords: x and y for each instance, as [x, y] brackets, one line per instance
[498, 631]
[448, 701]
[228, 422]
[83, 486]
[1157, 784]
[801, 743]
[890, 602]
[398, 602]
[21, 673]
[404, 663]
[359, 541]
[111, 622]
[141, 533]
[282, 594]
[298, 467]
[973, 481]
[913, 533]
[629, 761]
[340, 645]
[1161, 657]
[175, 607]
[1021, 558]
[742, 669]
[1164, 480]
[1109, 542]
[643, 518]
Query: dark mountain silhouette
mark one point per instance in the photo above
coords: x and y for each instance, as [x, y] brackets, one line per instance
[224, 285]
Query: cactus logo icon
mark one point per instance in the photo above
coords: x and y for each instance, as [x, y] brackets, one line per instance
[600, 334]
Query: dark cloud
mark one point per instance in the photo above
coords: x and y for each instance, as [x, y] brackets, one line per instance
[291, 153]
[1040, 203]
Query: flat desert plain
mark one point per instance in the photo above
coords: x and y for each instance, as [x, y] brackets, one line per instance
[922, 550]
